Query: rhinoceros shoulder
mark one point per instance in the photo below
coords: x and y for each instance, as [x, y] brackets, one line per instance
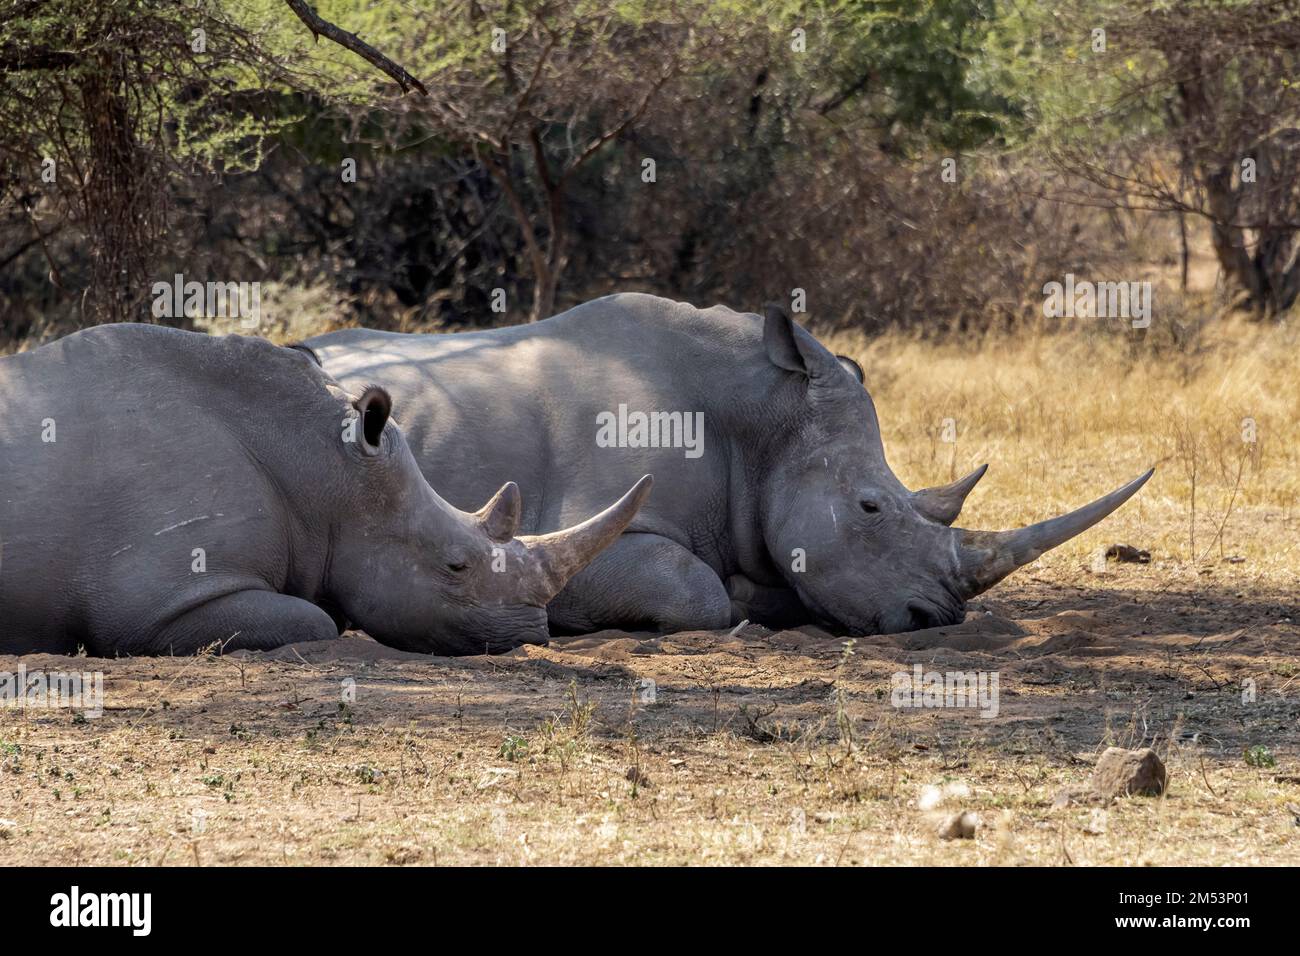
[157, 353]
[644, 312]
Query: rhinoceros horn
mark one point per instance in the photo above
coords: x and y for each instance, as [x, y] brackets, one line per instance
[500, 516]
[561, 554]
[989, 556]
[943, 504]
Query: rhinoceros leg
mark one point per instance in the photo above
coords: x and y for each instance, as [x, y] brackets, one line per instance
[246, 620]
[775, 608]
[642, 582]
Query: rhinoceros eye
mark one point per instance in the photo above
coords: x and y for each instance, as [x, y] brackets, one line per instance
[869, 506]
[456, 567]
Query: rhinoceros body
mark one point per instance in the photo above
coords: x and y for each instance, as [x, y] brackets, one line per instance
[162, 490]
[774, 500]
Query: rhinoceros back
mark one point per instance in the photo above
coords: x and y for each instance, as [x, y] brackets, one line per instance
[523, 403]
[125, 484]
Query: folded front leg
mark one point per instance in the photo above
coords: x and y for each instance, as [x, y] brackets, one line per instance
[774, 608]
[245, 620]
[642, 582]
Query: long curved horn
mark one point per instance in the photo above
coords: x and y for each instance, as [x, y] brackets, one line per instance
[562, 554]
[943, 504]
[989, 556]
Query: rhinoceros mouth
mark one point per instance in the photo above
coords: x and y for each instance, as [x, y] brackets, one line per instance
[911, 613]
[827, 621]
[924, 613]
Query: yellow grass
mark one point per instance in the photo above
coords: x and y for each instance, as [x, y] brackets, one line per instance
[781, 748]
[1064, 417]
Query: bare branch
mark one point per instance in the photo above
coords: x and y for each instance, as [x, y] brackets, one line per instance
[14, 59]
[501, 175]
[350, 41]
[522, 102]
[599, 142]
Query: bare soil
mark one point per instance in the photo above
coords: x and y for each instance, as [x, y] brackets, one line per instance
[748, 747]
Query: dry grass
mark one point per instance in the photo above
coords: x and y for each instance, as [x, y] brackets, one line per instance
[779, 748]
[1063, 418]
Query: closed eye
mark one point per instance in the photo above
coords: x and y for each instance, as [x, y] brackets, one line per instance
[456, 567]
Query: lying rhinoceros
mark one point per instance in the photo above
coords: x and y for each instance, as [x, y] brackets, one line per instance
[775, 502]
[161, 491]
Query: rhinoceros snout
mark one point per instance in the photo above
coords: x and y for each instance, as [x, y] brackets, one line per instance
[924, 614]
[918, 614]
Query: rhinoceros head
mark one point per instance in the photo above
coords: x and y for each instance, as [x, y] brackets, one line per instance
[862, 551]
[416, 573]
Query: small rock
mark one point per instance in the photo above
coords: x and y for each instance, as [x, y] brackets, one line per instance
[959, 826]
[1128, 553]
[1096, 825]
[1120, 772]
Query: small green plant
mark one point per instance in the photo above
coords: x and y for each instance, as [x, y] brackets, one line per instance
[843, 722]
[579, 712]
[222, 782]
[564, 736]
[514, 748]
[1260, 756]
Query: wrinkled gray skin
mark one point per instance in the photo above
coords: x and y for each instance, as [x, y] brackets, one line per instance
[792, 464]
[306, 503]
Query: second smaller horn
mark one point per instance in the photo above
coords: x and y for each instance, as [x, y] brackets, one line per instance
[944, 503]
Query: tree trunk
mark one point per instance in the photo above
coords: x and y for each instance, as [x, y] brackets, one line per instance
[120, 203]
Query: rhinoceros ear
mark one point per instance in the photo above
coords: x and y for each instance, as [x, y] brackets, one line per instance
[375, 406]
[779, 340]
[784, 348]
[853, 368]
[304, 349]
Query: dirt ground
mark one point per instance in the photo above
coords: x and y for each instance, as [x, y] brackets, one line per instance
[753, 747]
